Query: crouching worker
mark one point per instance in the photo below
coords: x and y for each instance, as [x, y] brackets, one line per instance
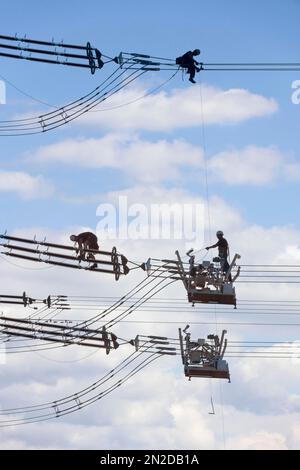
[86, 241]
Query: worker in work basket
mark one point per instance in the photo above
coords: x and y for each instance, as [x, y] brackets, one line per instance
[223, 247]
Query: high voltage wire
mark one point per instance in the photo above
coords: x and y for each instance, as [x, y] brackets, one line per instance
[81, 399]
[155, 289]
[69, 112]
[137, 304]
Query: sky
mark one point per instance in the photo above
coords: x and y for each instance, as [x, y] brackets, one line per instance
[238, 154]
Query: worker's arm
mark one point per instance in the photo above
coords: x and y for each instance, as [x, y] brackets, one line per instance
[212, 246]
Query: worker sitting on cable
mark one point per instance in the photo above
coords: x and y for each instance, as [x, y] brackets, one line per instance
[188, 62]
[86, 241]
[223, 247]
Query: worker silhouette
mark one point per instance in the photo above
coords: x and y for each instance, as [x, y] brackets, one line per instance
[86, 241]
[223, 248]
[187, 61]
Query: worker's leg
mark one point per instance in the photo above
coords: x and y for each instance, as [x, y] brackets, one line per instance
[91, 257]
[192, 72]
[80, 251]
[83, 251]
[226, 266]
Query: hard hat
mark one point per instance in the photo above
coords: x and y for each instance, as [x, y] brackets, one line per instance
[73, 238]
[219, 232]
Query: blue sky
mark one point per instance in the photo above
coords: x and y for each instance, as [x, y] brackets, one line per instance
[264, 31]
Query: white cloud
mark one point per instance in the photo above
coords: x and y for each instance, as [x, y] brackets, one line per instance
[27, 186]
[260, 440]
[2, 92]
[179, 108]
[142, 160]
[162, 160]
[250, 165]
[253, 165]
